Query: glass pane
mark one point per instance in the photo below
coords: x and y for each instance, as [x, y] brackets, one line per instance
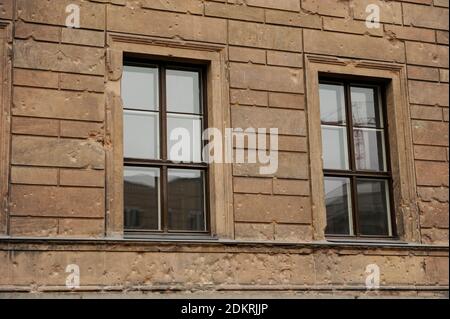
[365, 111]
[183, 92]
[141, 198]
[332, 104]
[141, 136]
[184, 138]
[373, 206]
[186, 201]
[335, 150]
[369, 149]
[140, 88]
[339, 207]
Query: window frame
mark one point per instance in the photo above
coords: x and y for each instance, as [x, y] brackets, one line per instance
[353, 173]
[163, 163]
[215, 58]
[5, 125]
[401, 151]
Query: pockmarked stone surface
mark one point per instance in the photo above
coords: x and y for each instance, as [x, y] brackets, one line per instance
[61, 143]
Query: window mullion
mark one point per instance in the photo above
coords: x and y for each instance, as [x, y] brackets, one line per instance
[355, 218]
[387, 154]
[163, 110]
[163, 142]
[351, 148]
[164, 206]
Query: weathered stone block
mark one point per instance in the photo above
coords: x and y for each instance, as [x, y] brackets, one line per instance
[6, 9]
[49, 201]
[427, 54]
[434, 214]
[54, 12]
[52, 152]
[292, 5]
[291, 187]
[428, 93]
[266, 208]
[425, 16]
[58, 104]
[230, 11]
[431, 173]
[356, 46]
[293, 233]
[34, 175]
[249, 231]
[77, 177]
[165, 24]
[265, 36]
[59, 57]
[327, 7]
[182, 6]
[35, 126]
[239, 54]
[270, 78]
[34, 227]
[252, 185]
[390, 11]
[289, 122]
[290, 165]
[430, 133]
[90, 228]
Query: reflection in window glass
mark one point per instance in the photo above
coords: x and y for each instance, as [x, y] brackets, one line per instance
[358, 180]
[335, 149]
[338, 205]
[365, 111]
[183, 92]
[164, 175]
[186, 202]
[369, 149]
[141, 198]
[373, 206]
[332, 104]
[184, 139]
[141, 135]
[140, 88]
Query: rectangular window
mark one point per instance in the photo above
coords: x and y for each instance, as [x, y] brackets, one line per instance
[165, 178]
[358, 179]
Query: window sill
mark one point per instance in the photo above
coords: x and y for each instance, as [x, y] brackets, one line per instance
[367, 241]
[170, 237]
[210, 240]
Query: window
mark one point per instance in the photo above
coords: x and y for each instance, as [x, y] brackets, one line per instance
[164, 187]
[357, 172]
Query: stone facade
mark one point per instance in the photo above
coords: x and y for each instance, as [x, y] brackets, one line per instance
[59, 143]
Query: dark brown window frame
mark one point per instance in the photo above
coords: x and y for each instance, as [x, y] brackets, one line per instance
[163, 164]
[353, 173]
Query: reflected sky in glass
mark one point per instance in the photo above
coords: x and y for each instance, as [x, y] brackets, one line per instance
[332, 104]
[183, 92]
[140, 88]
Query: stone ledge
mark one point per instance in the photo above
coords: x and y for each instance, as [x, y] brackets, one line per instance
[220, 292]
[210, 244]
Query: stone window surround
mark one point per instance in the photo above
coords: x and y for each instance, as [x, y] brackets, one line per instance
[5, 94]
[220, 181]
[400, 139]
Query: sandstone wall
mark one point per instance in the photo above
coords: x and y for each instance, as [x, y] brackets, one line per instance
[57, 137]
